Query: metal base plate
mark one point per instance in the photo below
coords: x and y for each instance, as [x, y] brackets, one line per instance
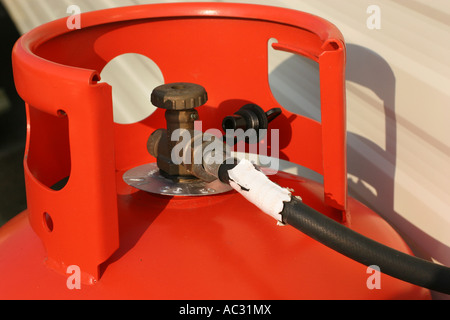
[148, 178]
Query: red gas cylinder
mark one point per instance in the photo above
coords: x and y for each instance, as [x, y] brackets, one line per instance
[126, 243]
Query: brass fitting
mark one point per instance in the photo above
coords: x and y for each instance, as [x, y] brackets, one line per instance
[179, 100]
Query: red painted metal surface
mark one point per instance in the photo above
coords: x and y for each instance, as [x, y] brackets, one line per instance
[131, 244]
[217, 247]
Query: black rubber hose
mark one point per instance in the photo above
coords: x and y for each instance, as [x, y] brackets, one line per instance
[364, 250]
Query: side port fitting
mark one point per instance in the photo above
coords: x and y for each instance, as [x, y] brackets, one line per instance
[249, 123]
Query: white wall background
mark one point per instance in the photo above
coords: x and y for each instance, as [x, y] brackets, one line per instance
[398, 102]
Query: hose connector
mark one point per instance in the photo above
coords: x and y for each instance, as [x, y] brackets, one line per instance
[256, 187]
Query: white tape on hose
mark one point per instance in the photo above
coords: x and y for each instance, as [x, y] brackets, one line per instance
[256, 187]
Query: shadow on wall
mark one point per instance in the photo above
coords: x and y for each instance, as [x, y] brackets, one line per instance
[368, 69]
